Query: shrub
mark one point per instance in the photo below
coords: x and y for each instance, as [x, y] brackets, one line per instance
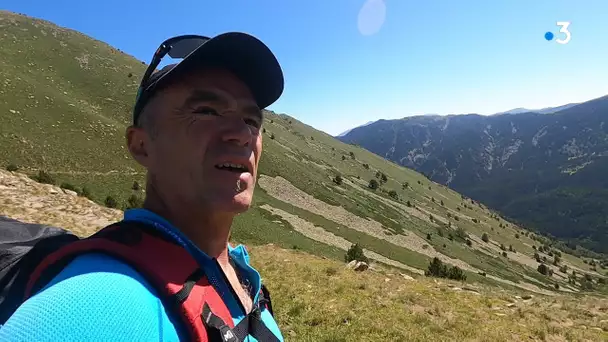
[86, 192]
[440, 232]
[272, 136]
[469, 243]
[461, 233]
[601, 280]
[338, 180]
[504, 254]
[456, 273]
[475, 220]
[134, 201]
[441, 202]
[12, 168]
[451, 237]
[393, 194]
[438, 269]
[264, 130]
[111, 202]
[343, 157]
[130, 75]
[516, 236]
[456, 218]
[563, 269]
[431, 218]
[433, 199]
[408, 203]
[502, 246]
[44, 177]
[543, 269]
[352, 155]
[373, 184]
[405, 185]
[556, 260]
[136, 186]
[355, 252]
[485, 237]
[428, 236]
[383, 178]
[556, 286]
[366, 166]
[586, 285]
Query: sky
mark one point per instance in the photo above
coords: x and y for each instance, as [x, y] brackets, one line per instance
[347, 62]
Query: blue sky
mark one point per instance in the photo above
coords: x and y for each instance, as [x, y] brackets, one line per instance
[345, 66]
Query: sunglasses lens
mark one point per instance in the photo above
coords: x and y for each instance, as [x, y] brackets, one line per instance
[183, 47]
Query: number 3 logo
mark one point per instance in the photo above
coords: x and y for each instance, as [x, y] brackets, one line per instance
[564, 30]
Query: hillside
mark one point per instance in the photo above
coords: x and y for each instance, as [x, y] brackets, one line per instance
[545, 171]
[332, 303]
[300, 204]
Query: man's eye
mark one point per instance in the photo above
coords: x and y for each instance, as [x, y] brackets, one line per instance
[253, 122]
[205, 110]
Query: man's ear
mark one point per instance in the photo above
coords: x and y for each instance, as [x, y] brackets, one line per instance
[138, 144]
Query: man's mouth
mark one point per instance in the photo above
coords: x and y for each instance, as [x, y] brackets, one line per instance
[238, 168]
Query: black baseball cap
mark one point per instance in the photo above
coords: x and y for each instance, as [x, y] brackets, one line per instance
[242, 54]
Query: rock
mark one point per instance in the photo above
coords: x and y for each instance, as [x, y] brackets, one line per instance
[361, 266]
[500, 314]
[406, 277]
[471, 289]
[517, 297]
[527, 297]
[53, 191]
[352, 264]
[456, 289]
[386, 280]
[510, 305]
[70, 192]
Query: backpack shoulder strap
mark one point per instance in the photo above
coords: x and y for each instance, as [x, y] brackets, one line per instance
[265, 299]
[144, 250]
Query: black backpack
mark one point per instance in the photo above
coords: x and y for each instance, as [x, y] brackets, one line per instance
[22, 247]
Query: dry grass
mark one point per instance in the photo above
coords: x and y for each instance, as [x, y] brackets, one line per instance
[332, 303]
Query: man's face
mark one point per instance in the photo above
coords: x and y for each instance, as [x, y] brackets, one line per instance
[206, 143]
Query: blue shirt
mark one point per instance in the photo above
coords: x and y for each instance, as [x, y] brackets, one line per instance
[99, 298]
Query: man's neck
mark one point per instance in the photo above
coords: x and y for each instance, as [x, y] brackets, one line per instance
[208, 231]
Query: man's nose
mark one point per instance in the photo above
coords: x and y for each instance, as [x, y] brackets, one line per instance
[238, 132]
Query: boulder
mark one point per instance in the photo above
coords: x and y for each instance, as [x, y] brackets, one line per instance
[361, 266]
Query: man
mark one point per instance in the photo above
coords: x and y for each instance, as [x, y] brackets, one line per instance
[197, 131]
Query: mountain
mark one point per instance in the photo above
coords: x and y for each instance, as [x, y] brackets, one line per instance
[545, 171]
[346, 132]
[65, 101]
[547, 110]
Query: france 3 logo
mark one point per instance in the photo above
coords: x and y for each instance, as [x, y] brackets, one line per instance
[563, 30]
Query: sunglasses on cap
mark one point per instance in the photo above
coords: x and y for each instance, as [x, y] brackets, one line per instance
[175, 47]
[244, 55]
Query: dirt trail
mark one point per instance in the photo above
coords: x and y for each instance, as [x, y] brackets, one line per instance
[26, 200]
[319, 234]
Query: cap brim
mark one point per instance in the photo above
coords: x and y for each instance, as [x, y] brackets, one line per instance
[242, 54]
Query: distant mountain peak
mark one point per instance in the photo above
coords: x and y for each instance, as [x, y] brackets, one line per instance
[348, 131]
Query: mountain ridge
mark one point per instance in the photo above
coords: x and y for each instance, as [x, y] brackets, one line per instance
[488, 157]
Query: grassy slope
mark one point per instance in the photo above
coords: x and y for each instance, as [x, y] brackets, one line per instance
[64, 103]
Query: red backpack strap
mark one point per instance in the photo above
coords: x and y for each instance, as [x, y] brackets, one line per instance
[181, 284]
